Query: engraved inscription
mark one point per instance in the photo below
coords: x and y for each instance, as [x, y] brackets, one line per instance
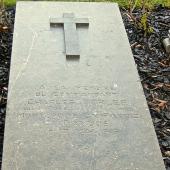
[80, 117]
[83, 110]
[79, 100]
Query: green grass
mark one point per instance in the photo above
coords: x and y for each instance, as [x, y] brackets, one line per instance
[121, 2]
[9, 2]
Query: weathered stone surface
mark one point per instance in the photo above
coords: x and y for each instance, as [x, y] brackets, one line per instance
[69, 23]
[86, 114]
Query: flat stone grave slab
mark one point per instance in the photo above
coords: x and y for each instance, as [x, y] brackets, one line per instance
[75, 100]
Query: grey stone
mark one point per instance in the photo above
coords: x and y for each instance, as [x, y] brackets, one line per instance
[70, 33]
[86, 114]
[166, 43]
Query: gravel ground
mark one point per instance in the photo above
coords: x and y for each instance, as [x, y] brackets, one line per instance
[152, 62]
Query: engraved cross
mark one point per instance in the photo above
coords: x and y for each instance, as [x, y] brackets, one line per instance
[69, 23]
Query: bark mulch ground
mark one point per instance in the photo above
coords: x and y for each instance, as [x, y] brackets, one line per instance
[153, 65]
[6, 34]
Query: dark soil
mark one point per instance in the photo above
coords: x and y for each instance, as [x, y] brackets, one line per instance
[152, 62]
